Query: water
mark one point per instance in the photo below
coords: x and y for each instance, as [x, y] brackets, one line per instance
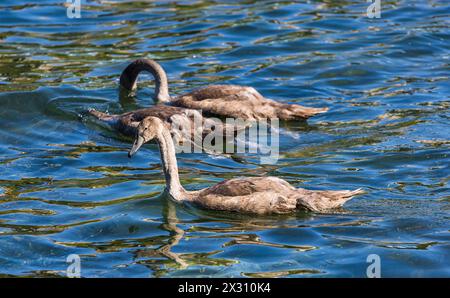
[67, 186]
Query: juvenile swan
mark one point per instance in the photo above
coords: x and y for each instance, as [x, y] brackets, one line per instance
[183, 123]
[258, 195]
[222, 100]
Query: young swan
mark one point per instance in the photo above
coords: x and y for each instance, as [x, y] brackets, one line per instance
[223, 100]
[192, 122]
[258, 195]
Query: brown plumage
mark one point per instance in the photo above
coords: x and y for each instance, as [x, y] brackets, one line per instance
[182, 123]
[257, 195]
[222, 100]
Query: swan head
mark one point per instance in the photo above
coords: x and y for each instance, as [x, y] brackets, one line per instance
[147, 130]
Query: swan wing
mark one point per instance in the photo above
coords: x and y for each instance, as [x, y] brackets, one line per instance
[263, 202]
[222, 92]
[257, 195]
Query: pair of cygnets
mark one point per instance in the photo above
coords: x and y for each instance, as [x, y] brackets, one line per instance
[257, 195]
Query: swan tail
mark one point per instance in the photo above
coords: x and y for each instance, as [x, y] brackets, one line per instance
[295, 112]
[324, 201]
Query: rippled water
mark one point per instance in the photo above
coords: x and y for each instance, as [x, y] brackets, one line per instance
[67, 186]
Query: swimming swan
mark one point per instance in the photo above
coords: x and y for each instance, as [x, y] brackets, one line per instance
[257, 195]
[223, 100]
[184, 124]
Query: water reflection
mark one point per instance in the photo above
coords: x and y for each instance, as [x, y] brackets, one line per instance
[170, 221]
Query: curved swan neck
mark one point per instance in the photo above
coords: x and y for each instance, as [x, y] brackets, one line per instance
[169, 163]
[129, 76]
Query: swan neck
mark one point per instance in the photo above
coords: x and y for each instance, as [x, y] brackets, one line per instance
[169, 164]
[128, 79]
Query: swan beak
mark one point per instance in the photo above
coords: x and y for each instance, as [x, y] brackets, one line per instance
[136, 145]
